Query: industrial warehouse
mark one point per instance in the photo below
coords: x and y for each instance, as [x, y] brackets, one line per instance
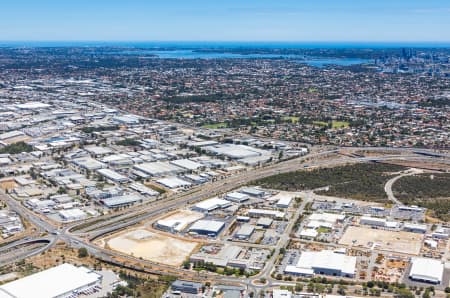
[426, 270]
[65, 280]
[207, 227]
[324, 262]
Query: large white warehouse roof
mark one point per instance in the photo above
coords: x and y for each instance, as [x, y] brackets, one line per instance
[187, 164]
[327, 217]
[211, 226]
[212, 204]
[236, 151]
[32, 105]
[54, 282]
[158, 168]
[173, 182]
[428, 270]
[328, 260]
[112, 175]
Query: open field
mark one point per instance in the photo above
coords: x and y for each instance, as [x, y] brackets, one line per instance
[334, 124]
[359, 181]
[291, 119]
[215, 125]
[401, 242]
[183, 217]
[151, 246]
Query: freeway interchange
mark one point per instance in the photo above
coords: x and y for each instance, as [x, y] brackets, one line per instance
[82, 234]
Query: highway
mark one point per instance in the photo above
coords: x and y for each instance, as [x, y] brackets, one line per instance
[23, 249]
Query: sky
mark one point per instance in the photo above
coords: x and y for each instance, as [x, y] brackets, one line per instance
[226, 20]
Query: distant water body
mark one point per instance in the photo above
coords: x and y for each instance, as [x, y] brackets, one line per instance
[226, 44]
[187, 50]
[191, 54]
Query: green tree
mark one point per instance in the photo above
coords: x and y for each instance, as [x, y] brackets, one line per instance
[82, 252]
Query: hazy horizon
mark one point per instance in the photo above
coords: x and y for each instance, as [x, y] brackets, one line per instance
[224, 44]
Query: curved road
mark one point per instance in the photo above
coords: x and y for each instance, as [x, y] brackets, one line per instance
[390, 182]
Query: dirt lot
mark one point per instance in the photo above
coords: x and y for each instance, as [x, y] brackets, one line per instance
[7, 184]
[151, 246]
[401, 242]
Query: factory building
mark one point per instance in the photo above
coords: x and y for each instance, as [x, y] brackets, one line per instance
[265, 212]
[143, 190]
[37, 204]
[4, 161]
[158, 168]
[279, 293]
[187, 164]
[211, 205]
[308, 234]
[264, 222]
[254, 192]
[227, 257]
[187, 287]
[173, 182]
[372, 221]
[415, 228]
[325, 262]
[284, 202]
[242, 218]
[65, 280]
[112, 175]
[33, 105]
[235, 151]
[411, 208]
[169, 225]
[327, 217]
[4, 137]
[72, 214]
[237, 197]
[426, 270]
[97, 151]
[121, 201]
[118, 160]
[244, 232]
[196, 179]
[441, 233]
[207, 227]
[88, 163]
[377, 222]
[314, 224]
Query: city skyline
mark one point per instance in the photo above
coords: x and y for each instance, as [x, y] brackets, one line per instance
[198, 20]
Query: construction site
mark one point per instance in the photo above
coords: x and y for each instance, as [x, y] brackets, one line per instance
[395, 241]
[151, 246]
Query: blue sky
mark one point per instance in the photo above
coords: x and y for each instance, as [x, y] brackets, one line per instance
[225, 20]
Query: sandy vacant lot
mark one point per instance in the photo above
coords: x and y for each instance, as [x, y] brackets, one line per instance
[151, 246]
[7, 184]
[402, 242]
